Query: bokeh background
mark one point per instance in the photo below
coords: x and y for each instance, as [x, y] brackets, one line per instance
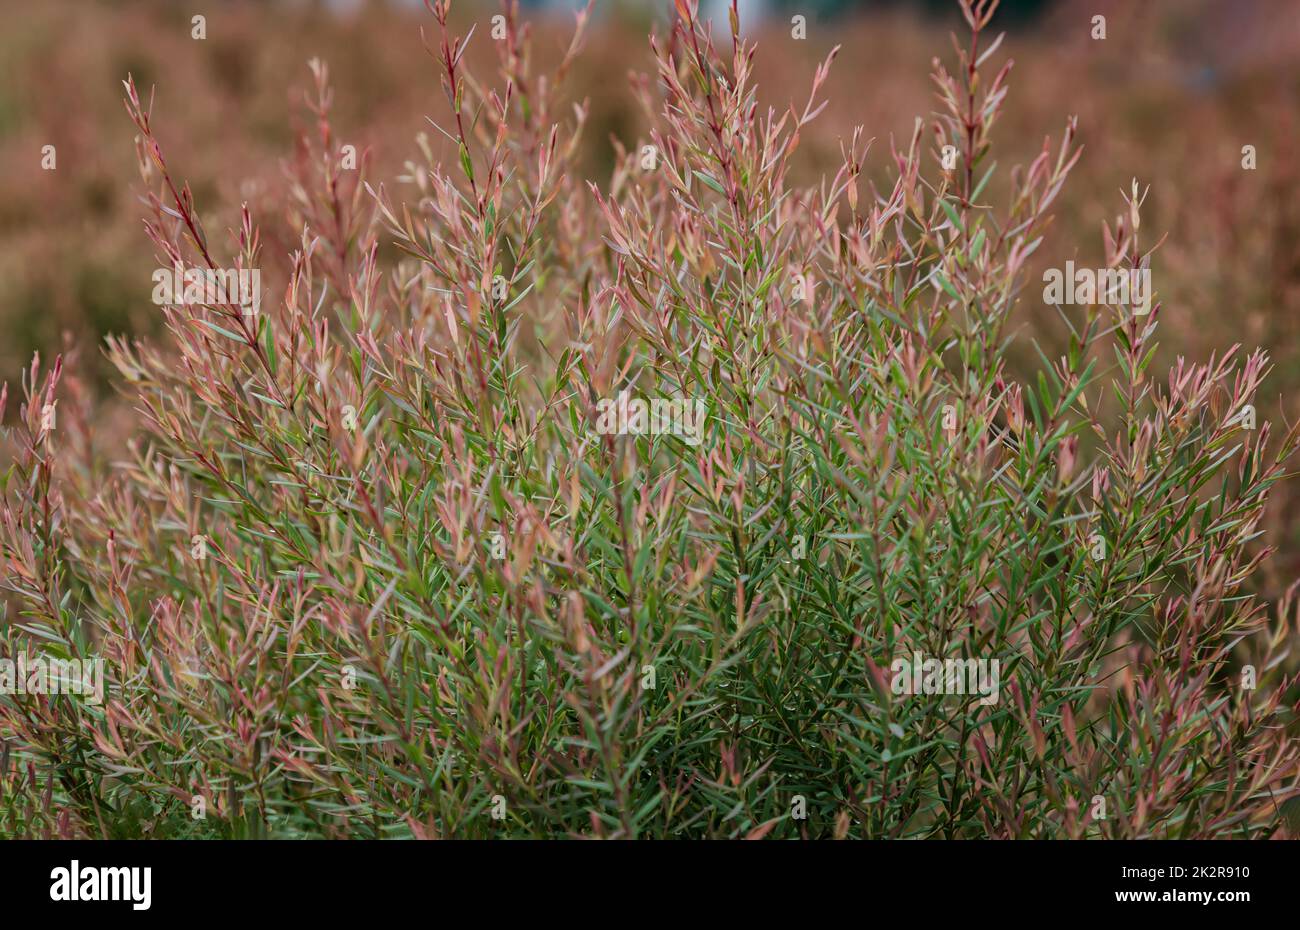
[1170, 97]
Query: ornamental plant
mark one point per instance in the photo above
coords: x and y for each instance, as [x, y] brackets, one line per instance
[434, 544]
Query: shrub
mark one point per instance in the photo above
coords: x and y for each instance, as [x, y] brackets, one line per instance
[380, 563]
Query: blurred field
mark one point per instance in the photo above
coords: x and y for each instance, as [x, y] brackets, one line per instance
[1170, 97]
